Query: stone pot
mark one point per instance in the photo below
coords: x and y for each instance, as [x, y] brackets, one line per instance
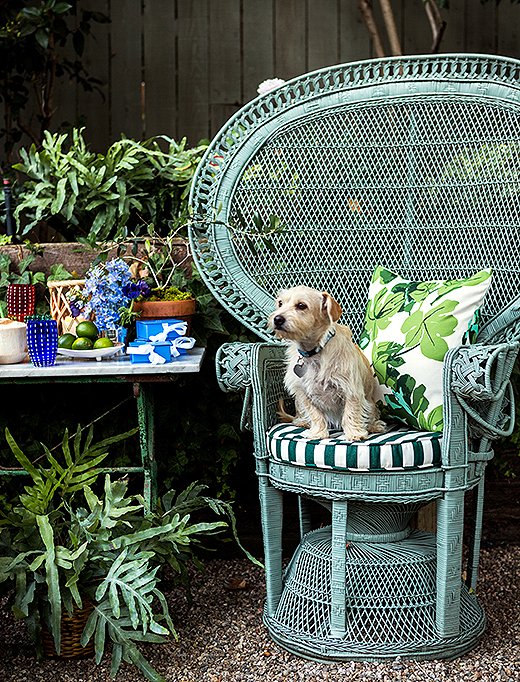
[13, 341]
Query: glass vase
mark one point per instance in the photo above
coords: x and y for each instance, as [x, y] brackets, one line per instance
[42, 342]
[20, 301]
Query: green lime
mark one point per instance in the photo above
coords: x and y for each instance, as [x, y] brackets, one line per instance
[88, 330]
[82, 343]
[103, 342]
[66, 340]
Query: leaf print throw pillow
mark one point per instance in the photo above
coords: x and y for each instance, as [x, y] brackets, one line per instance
[409, 328]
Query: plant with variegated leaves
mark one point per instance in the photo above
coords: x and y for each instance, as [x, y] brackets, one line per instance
[62, 545]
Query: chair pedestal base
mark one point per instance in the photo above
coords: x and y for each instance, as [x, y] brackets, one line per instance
[389, 606]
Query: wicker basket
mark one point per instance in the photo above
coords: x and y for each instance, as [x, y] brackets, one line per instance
[60, 309]
[71, 630]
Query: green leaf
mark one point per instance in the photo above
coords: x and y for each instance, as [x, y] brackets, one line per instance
[474, 280]
[58, 202]
[386, 360]
[62, 7]
[381, 309]
[52, 579]
[42, 38]
[22, 459]
[428, 330]
[90, 627]
[434, 419]
[117, 654]
[99, 639]
[384, 276]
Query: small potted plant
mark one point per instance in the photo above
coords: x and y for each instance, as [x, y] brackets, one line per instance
[78, 556]
[162, 268]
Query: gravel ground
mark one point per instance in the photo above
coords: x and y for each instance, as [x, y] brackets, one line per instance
[222, 638]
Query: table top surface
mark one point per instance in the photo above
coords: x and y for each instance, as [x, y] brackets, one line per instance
[118, 366]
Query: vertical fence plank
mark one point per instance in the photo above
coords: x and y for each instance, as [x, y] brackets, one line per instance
[508, 22]
[480, 27]
[257, 45]
[160, 68]
[224, 61]
[417, 35]
[322, 33]
[354, 41]
[290, 34]
[126, 69]
[453, 40]
[193, 70]
[94, 107]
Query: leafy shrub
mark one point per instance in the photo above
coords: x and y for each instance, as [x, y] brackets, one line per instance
[135, 188]
[62, 545]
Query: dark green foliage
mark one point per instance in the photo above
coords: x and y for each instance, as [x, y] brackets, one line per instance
[135, 188]
[34, 37]
[62, 543]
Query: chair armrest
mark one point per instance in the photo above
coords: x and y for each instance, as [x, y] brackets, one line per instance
[233, 362]
[257, 369]
[479, 377]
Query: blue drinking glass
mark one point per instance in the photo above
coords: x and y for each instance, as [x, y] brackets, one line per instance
[42, 341]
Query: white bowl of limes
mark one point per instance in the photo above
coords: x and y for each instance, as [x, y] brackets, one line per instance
[86, 343]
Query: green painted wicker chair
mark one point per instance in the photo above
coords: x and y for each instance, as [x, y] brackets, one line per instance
[411, 163]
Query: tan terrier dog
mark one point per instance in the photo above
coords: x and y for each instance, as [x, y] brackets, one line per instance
[327, 374]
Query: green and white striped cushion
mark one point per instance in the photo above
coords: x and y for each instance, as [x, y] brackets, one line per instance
[399, 449]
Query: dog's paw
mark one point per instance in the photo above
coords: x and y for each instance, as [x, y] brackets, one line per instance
[300, 421]
[312, 434]
[355, 435]
[377, 427]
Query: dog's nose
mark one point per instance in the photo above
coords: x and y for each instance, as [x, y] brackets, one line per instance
[279, 321]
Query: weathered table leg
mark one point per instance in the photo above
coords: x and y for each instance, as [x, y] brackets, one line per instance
[145, 417]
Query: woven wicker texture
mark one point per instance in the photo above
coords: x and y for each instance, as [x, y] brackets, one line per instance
[407, 163]
[71, 630]
[59, 304]
[410, 163]
[391, 595]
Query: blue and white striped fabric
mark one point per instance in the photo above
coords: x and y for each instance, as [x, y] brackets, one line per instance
[399, 449]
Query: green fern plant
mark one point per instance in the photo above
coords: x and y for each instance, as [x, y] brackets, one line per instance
[136, 187]
[62, 544]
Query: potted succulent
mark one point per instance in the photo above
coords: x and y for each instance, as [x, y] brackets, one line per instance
[75, 554]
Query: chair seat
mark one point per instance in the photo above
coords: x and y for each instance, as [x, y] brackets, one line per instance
[399, 449]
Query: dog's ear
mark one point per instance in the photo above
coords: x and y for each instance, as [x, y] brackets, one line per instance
[331, 307]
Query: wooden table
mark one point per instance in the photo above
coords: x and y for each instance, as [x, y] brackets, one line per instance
[114, 370]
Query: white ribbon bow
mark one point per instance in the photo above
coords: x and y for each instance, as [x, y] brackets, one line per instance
[179, 328]
[147, 349]
[183, 342]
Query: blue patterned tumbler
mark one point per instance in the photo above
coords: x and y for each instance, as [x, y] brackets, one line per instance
[42, 340]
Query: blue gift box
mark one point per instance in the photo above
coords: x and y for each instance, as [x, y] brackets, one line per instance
[168, 328]
[143, 351]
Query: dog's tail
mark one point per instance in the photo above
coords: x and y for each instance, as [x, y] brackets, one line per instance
[284, 416]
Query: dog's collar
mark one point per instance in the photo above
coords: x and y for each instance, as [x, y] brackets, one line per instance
[331, 333]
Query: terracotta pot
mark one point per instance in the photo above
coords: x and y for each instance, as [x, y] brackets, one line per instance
[180, 310]
[13, 341]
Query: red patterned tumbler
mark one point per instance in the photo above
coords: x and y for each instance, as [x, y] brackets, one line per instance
[20, 301]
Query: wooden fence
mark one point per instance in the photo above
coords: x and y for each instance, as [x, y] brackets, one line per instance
[182, 67]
